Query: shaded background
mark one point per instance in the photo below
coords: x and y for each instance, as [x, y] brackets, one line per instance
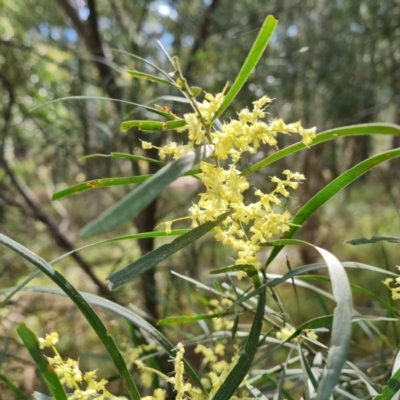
[330, 64]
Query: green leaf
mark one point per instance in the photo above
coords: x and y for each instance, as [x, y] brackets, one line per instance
[330, 190]
[123, 312]
[125, 156]
[185, 319]
[134, 202]
[392, 387]
[17, 393]
[152, 125]
[152, 78]
[134, 56]
[98, 183]
[240, 370]
[342, 317]
[356, 130]
[374, 239]
[152, 258]
[151, 109]
[83, 306]
[108, 182]
[31, 342]
[251, 61]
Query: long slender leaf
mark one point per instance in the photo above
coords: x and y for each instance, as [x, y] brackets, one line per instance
[31, 342]
[356, 130]
[17, 393]
[185, 319]
[123, 312]
[390, 390]
[374, 239]
[251, 61]
[98, 183]
[341, 331]
[330, 190]
[152, 125]
[108, 182]
[152, 78]
[125, 156]
[149, 260]
[151, 109]
[84, 307]
[134, 202]
[240, 370]
[134, 56]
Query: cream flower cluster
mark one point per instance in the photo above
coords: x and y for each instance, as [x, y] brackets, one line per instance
[248, 226]
[219, 370]
[394, 286]
[71, 376]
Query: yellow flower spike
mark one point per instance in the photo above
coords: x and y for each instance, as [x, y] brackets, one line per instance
[285, 333]
[387, 282]
[312, 335]
[146, 145]
[49, 341]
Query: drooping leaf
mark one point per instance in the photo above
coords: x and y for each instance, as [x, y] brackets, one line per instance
[342, 317]
[149, 260]
[138, 199]
[152, 78]
[134, 56]
[87, 311]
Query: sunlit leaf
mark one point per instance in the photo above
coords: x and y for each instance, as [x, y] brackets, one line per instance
[251, 61]
[152, 125]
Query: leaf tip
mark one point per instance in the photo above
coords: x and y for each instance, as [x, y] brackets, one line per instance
[109, 284]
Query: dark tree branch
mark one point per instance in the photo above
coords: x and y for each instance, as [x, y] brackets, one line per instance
[89, 32]
[202, 35]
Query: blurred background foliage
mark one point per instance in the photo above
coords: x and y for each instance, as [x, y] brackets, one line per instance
[330, 64]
